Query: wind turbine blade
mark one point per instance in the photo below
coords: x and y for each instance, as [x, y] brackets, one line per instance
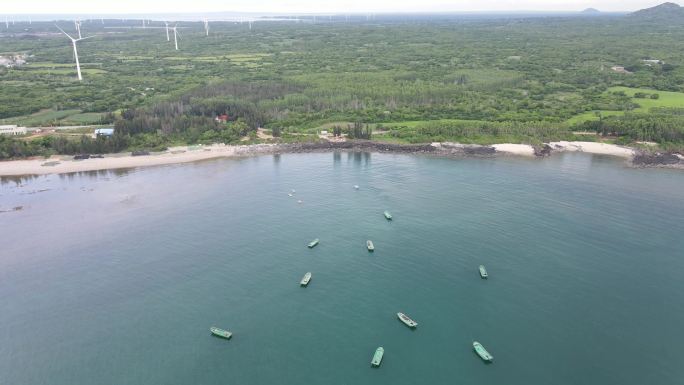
[83, 38]
[69, 36]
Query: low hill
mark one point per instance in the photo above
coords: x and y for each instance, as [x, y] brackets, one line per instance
[663, 11]
[591, 11]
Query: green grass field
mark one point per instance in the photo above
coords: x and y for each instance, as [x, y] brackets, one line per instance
[62, 71]
[41, 118]
[50, 117]
[416, 123]
[59, 65]
[591, 115]
[82, 119]
[666, 99]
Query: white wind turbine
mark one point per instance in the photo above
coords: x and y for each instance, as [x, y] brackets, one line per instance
[166, 23]
[77, 24]
[73, 42]
[176, 35]
[206, 26]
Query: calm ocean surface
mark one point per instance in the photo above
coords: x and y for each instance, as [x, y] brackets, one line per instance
[116, 277]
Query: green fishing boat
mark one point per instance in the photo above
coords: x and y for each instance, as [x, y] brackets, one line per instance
[482, 352]
[313, 243]
[388, 216]
[377, 357]
[483, 272]
[220, 332]
[370, 246]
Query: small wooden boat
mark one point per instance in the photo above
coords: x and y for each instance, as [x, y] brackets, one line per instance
[377, 357]
[388, 216]
[220, 332]
[313, 243]
[406, 320]
[483, 272]
[482, 352]
[370, 246]
[305, 280]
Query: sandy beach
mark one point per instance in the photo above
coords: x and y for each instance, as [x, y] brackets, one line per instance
[514, 149]
[174, 155]
[594, 148]
[185, 154]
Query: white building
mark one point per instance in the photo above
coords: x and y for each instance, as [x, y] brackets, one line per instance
[12, 130]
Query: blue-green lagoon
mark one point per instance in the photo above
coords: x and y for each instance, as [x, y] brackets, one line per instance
[115, 277]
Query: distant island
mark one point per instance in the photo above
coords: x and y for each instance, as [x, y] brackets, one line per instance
[591, 11]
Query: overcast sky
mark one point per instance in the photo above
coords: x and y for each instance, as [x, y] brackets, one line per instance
[311, 6]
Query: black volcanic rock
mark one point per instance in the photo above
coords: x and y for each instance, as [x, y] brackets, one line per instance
[657, 159]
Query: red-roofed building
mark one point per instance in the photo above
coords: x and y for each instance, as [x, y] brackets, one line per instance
[222, 118]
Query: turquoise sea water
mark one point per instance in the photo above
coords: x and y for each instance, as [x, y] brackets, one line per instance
[116, 277]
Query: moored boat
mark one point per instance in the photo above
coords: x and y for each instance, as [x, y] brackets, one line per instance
[356, 186]
[370, 246]
[482, 352]
[313, 243]
[377, 357]
[406, 320]
[220, 332]
[305, 280]
[483, 272]
[388, 216]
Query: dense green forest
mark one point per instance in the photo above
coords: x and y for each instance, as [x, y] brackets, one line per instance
[478, 80]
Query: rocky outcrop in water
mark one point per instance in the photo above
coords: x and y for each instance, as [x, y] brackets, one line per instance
[463, 149]
[361, 145]
[543, 150]
[657, 159]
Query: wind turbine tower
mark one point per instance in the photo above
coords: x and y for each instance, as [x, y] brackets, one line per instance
[206, 26]
[175, 36]
[166, 23]
[73, 42]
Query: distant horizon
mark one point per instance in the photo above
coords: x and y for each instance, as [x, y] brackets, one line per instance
[277, 16]
[310, 7]
[264, 16]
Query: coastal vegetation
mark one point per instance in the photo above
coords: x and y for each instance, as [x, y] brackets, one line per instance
[486, 80]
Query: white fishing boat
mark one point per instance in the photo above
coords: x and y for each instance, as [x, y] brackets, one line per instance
[305, 280]
[406, 320]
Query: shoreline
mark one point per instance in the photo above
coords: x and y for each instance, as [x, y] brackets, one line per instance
[65, 164]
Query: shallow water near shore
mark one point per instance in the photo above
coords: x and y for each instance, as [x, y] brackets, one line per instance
[115, 277]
